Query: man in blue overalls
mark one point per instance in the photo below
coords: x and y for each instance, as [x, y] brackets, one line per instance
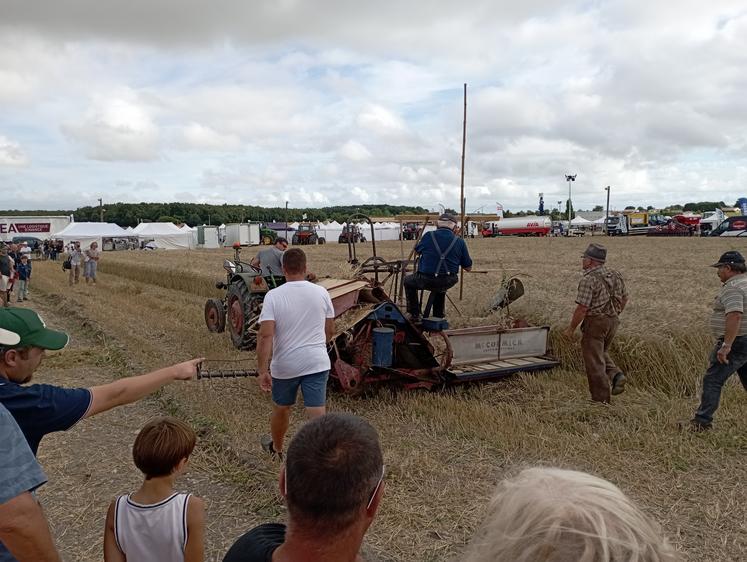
[441, 252]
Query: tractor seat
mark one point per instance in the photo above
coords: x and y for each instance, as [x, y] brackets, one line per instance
[430, 323]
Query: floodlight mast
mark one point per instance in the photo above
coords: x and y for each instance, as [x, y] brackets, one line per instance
[569, 178]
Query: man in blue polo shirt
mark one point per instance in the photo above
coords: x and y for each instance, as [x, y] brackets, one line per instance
[442, 252]
[40, 409]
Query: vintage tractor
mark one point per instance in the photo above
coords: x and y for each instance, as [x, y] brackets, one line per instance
[351, 232]
[410, 231]
[267, 236]
[306, 234]
[239, 309]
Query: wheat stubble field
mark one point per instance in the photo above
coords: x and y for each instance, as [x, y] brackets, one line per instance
[445, 451]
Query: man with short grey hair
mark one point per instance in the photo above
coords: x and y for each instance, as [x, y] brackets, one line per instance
[601, 298]
[730, 330]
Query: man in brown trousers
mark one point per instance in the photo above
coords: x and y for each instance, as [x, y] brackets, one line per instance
[601, 298]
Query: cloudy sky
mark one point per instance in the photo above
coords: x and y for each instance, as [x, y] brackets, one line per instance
[343, 101]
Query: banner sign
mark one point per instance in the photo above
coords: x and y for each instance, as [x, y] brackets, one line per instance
[24, 227]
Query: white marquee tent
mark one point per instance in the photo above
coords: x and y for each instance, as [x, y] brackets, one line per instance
[164, 235]
[89, 232]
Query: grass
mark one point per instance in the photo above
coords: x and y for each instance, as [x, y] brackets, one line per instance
[446, 451]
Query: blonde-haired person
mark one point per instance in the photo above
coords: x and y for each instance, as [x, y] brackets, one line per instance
[91, 263]
[554, 515]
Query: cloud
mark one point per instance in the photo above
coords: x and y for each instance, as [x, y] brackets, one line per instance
[116, 128]
[355, 151]
[200, 137]
[11, 153]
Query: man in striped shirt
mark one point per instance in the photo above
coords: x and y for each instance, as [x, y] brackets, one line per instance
[729, 328]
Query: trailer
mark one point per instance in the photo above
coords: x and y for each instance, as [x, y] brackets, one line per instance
[243, 233]
[518, 226]
[39, 227]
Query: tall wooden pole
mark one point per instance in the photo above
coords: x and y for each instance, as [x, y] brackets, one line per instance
[461, 199]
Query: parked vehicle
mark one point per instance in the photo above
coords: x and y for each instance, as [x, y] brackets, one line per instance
[518, 226]
[351, 232]
[306, 234]
[409, 231]
[732, 226]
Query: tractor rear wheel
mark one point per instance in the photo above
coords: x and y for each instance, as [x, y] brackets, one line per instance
[294, 240]
[266, 240]
[321, 240]
[215, 315]
[243, 316]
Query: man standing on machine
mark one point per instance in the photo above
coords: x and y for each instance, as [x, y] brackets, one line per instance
[441, 253]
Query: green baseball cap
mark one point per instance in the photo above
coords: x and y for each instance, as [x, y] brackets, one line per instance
[31, 329]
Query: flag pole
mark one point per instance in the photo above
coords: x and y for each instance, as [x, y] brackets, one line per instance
[461, 199]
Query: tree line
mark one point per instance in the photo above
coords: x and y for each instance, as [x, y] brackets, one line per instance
[130, 214]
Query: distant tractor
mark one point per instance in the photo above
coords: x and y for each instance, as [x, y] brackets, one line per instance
[410, 231]
[351, 233]
[267, 236]
[306, 234]
[239, 309]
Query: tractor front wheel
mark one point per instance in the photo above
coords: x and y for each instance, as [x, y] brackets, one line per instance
[266, 240]
[321, 241]
[243, 316]
[215, 315]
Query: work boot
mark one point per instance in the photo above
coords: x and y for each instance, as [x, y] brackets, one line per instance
[618, 383]
[267, 446]
[694, 426]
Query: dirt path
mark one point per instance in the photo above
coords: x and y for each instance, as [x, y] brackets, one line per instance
[91, 464]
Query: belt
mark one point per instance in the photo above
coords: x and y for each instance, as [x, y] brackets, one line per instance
[433, 275]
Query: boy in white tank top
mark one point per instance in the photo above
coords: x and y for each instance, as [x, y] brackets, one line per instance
[155, 523]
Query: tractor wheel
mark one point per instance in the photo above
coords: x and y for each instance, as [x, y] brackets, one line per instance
[266, 240]
[294, 240]
[321, 241]
[243, 316]
[215, 315]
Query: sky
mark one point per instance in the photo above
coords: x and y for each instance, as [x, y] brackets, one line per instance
[344, 102]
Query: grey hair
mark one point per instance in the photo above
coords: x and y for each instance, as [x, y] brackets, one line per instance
[554, 515]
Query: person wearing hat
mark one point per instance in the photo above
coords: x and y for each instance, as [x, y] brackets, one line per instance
[441, 253]
[729, 327]
[601, 298]
[40, 409]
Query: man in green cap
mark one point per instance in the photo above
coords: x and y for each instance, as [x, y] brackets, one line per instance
[601, 298]
[40, 409]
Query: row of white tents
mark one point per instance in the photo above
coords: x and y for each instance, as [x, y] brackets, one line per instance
[164, 235]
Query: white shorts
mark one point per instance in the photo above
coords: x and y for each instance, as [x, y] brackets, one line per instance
[4, 282]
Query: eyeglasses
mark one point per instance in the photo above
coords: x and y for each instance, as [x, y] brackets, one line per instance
[376, 489]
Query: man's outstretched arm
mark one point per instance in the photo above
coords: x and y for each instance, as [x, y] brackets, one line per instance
[131, 389]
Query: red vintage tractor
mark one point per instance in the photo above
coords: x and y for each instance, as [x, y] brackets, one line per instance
[306, 234]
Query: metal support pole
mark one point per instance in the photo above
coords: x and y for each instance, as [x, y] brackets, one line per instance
[607, 213]
[462, 199]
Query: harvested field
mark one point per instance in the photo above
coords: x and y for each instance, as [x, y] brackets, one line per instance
[445, 451]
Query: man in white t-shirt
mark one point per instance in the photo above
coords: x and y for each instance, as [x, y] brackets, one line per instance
[296, 322]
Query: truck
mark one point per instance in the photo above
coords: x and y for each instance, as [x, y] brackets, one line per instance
[39, 227]
[518, 226]
[634, 223]
[243, 233]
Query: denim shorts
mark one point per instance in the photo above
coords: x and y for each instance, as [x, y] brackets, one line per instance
[313, 389]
